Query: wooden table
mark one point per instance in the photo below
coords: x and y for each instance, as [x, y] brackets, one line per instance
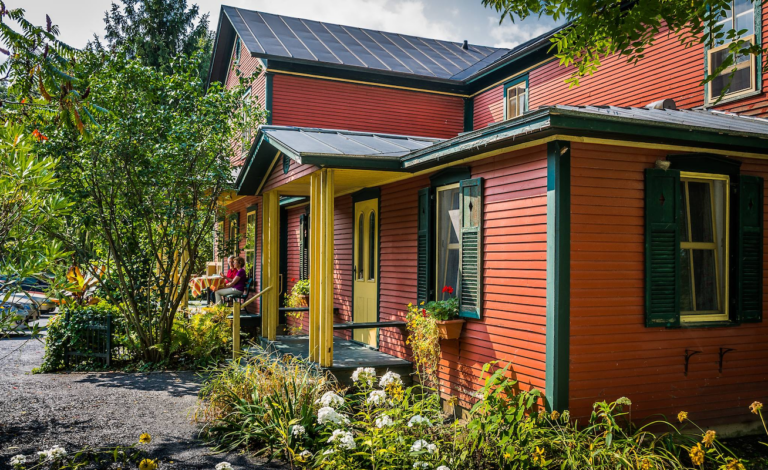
[198, 284]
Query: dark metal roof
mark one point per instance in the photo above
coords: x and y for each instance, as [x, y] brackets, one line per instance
[694, 128]
[301, 142]
[282, 37]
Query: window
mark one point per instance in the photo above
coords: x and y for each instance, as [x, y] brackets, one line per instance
[304, 246]
[703, 246]
[238, 48]
[447, 254]
[220, 244]
[449, 241]
[703, 243]
[360, 247]
[250, 242]
[740, 76]
[245, 136]
[516, 98]
[372, 247]
[234, 234]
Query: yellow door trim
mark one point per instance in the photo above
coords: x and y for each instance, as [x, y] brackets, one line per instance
[365, 276]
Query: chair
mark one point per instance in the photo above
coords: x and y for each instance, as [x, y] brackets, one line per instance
[244, 296]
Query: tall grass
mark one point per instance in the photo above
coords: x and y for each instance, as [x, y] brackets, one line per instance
[255, 402]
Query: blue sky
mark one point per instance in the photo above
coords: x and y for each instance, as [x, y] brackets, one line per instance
[453, 20]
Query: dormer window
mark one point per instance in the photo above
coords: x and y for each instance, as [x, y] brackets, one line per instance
[515, 97]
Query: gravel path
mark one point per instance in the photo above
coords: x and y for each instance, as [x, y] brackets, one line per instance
[112, 408]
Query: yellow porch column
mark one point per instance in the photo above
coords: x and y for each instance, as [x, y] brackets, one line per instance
[321, 268]
[270, 258]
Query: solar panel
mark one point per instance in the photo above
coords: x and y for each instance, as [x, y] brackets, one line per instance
[274, 36]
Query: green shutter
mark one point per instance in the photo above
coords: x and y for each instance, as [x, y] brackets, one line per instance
[662, 248]
[471, 263]
[750, 296]
[424, 284]
[303, 258]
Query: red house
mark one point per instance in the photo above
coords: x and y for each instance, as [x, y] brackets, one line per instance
[602, 246]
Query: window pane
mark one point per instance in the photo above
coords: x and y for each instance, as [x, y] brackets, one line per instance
[360, 242]
[746, 21]
[447, 241]
[512, 99]
[372, 247]
[705, 279]
[701, 211]
[686, 283]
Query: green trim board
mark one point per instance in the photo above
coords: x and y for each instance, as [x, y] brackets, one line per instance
[469, 114]
[558, 275]
[268, 87]
[450, 175]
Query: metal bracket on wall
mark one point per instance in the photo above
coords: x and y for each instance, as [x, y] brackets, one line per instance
[688, 354]
[723, 352]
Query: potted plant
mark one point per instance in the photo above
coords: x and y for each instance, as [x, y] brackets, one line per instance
[299, 296]
[446, 314]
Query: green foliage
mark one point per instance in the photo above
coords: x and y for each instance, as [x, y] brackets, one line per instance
[424, 340]
[447, 309]
[255, 403]
[604, 27]
[30, 206]
[301, 287]
[149, 180]
[87, 457]
[203, 339]
[157, 31]
[69, 330]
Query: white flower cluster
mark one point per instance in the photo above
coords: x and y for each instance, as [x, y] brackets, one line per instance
[390, 378]
[364, 374]
[306, 455]
[330, 399]
[327, 415]
[377, 397]
[421, 445]
[383, 421]
[419, 420]
[443, 467]
[54, 454]
[223, 466]
[418, 465]
[18, 460]
[298, 430]
[344, 439]
[624, 401]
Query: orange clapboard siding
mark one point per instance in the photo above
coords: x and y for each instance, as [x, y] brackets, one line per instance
[278, 177]
[311, 102]
[342, 258]
[612, 352]
[513, 324]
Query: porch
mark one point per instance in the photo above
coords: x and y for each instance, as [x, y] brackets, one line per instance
[347, 356]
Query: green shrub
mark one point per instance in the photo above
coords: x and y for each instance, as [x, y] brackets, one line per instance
[69, 329]
[202, 339]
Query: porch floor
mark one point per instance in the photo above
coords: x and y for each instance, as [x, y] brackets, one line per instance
[347, 356]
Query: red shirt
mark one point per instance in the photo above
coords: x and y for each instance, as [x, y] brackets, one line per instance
[231, 273]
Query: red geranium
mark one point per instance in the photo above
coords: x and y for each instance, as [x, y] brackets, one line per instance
[293, 279]
[424, 312]
[448, 289]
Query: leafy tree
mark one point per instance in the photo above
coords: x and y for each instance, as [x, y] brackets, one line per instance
[156, 31]
[603, 27]
[30, 205]
[40, 74]
[151, 174]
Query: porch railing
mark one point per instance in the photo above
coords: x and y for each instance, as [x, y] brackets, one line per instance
[236, 308]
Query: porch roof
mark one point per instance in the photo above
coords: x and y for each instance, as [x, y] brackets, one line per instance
[328, 148]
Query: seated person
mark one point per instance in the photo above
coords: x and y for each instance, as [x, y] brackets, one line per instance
[237, 285]
[231, 273]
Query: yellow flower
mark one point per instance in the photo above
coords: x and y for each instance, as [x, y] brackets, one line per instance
[755, 407]
[145, 438]
[507, 456]
[697, 455]
[709, 438]
[734, 464]
[645, 465]
[555, 415]
[422, 303]
[148, 464]
[682, 416]
[538, 457]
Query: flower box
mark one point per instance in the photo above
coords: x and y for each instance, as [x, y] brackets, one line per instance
[303, 301]
[450, 329]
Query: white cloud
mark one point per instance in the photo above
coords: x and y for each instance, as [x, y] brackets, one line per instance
[398, 16]
[509, 34]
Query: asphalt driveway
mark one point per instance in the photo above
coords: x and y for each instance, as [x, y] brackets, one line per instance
[38, 411]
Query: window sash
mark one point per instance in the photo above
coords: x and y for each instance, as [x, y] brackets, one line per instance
[721, 280]
[516, 97]
[750, 63]
[250, 240]
[449, 247]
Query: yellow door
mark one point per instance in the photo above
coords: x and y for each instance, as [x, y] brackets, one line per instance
[366, 269]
